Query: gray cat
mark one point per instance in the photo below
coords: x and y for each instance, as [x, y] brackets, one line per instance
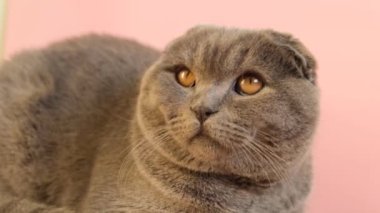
[221, 121]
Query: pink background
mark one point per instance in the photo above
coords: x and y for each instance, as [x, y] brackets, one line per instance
[343, 34]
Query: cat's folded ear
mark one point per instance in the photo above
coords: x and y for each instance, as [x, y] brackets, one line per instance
[296, 53]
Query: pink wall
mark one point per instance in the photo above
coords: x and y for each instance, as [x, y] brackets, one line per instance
[343, 34]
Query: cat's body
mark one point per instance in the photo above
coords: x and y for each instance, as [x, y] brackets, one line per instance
[76, 136]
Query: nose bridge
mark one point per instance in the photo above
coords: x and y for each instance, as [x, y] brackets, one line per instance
[208, 97]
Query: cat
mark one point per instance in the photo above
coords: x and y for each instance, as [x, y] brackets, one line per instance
[222, 120]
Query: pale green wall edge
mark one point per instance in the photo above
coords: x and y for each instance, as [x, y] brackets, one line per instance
[2, 27]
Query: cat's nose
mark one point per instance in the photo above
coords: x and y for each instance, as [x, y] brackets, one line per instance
[203, 112]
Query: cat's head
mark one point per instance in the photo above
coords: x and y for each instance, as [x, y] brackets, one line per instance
[231, 101]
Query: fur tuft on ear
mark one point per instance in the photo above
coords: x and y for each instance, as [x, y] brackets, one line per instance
[200, 28]
[301, 57]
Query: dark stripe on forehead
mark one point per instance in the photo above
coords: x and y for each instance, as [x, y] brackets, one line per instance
[204, 48]
[236, 51]
[213, 61]
[246, 43]
[241, 56]
[210, 54]
[224, 56]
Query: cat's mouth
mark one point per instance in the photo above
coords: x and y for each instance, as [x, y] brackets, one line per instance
[208, 140]
[204, 137]
[205, 147]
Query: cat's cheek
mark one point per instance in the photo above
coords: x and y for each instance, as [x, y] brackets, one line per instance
[167, 113]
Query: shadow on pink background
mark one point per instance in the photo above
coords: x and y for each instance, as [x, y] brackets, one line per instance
[344, 35]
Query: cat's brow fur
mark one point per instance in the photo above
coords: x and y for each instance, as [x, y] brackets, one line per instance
[99, 124]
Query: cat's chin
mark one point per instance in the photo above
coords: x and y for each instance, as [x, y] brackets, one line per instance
[207, 149]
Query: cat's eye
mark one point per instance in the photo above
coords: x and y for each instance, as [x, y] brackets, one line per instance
[248, 84]
[186, 78]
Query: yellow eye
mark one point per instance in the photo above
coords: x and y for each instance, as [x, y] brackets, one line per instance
[248, 85]
[186, 78]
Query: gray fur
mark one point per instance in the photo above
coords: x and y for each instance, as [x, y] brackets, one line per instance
[80, 133]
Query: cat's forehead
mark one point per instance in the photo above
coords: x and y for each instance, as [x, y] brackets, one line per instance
[222, 53]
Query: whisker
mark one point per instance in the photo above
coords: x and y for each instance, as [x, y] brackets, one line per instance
[277, 167]
[254, 153]
[267, 156]
[234, 127]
